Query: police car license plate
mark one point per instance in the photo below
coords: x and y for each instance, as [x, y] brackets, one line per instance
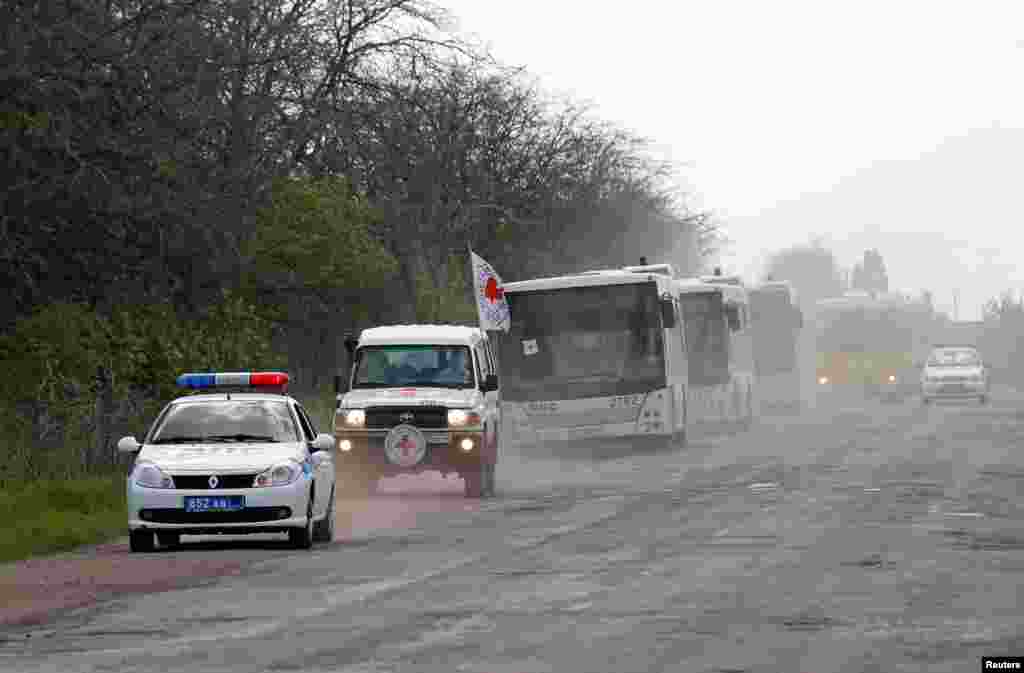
[229, 503]
[954, 388]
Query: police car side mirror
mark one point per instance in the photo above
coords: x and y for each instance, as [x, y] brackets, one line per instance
[350, 344]
[324, 442]
[490, 383]
[340, 384]
[128, 445]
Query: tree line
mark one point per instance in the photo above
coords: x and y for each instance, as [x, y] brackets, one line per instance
[231, 183]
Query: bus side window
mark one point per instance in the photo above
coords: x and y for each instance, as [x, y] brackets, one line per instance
[733, 316]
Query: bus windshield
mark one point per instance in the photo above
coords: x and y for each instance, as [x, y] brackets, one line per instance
[707, 337]
[774, 321]
[580, 342]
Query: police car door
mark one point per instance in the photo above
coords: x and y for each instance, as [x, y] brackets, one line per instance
[322, 473]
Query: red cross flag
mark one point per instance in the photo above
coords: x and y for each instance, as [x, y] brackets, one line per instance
[490, 297]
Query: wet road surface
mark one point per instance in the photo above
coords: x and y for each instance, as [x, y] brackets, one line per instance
[885, 538]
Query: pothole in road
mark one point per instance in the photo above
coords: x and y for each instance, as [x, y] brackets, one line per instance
[808, 620]
[871, 562]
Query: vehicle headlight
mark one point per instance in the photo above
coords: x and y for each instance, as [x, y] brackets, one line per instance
[151, 476]
[279, 475]
[460, 418]
[355, 418]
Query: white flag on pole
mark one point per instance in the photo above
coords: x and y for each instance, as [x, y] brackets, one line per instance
[490, 297]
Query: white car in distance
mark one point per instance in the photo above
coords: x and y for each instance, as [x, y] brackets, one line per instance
[954, 373]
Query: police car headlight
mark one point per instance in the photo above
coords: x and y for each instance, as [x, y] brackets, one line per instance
[355, 417]
[279, 475]
[460, 418]
[151, 476]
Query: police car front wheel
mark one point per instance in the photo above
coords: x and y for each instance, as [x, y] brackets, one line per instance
[302, 537]
[140, 540]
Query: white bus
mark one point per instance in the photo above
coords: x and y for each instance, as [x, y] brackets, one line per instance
[722, 390]
[595, 355]
[777, 324]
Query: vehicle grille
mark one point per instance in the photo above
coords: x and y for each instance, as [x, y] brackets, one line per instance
[248, 515]
[422, 417]
[201, 482]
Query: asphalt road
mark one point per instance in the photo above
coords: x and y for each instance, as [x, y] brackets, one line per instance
[881, 539]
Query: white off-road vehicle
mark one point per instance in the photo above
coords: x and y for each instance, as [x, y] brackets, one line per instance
[418, 398]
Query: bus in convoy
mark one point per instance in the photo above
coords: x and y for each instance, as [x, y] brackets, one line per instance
[598, 354]
[868, 345]
[777, 321]
[722, 385]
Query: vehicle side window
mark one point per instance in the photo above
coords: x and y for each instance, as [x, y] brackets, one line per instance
[307, 427]
[309, 420]
[485, 348]
[482, 365]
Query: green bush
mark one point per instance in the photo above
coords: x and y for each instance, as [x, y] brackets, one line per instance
[49, 399]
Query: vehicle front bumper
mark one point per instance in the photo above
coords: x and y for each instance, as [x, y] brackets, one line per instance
[444, 451]
[267, 510]
[958, 390]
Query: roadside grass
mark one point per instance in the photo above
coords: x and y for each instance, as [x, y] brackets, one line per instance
[53, 516]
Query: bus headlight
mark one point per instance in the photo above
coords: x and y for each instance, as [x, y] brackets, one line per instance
[823, 380]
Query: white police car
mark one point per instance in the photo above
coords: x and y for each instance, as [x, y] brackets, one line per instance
[231, 462]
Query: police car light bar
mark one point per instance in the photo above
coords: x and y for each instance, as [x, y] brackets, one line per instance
[233, 379]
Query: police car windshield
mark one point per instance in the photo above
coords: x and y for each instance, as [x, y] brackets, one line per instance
[226, 421]
[954, 358]
[403, 366]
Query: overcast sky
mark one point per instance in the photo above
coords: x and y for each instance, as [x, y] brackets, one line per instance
[892, 124]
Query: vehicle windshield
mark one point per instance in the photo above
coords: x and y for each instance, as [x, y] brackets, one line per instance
[227, 421]
[774, 324]
[707, 337]
[865, 331]
[404, 366]
[580, 342]
[960, 357]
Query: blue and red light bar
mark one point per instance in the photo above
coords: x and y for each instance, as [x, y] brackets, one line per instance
[234, 380]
